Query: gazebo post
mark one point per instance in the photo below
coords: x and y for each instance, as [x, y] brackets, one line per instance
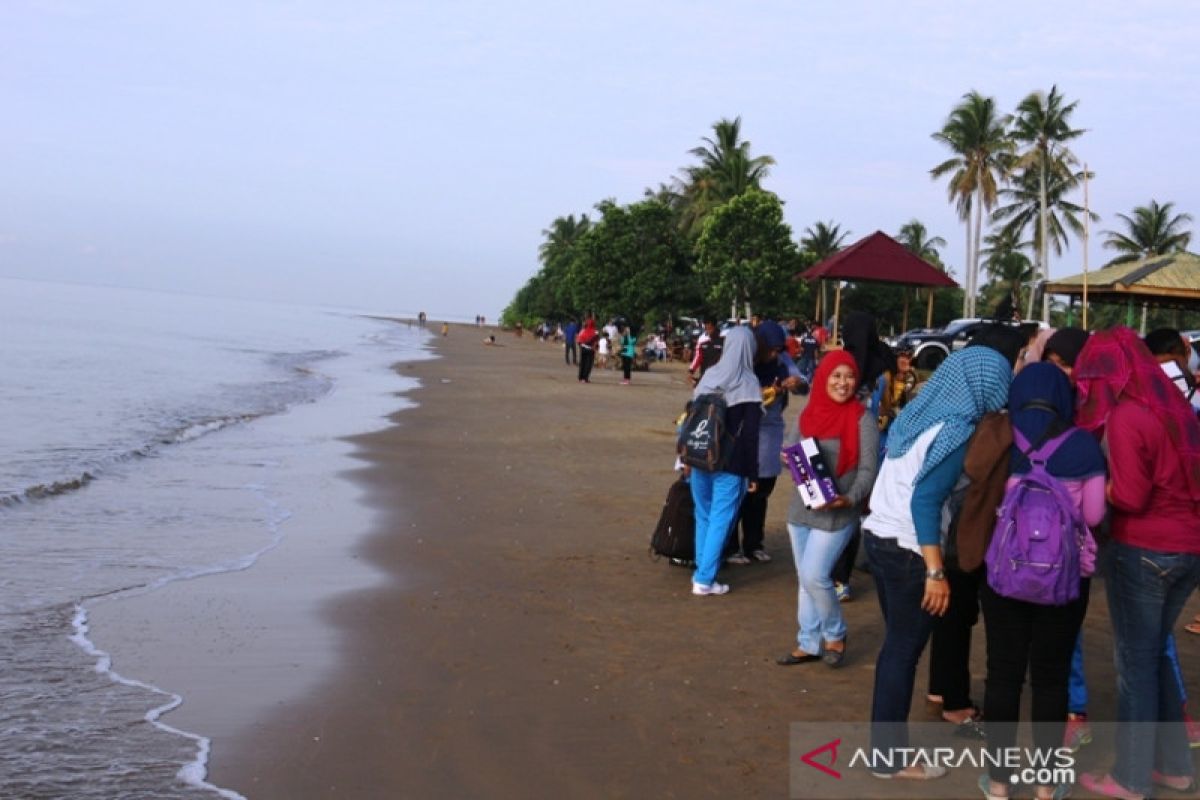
[1129, 313]
[837, 311]
[817, 307]
[929, 310]
[904, 324]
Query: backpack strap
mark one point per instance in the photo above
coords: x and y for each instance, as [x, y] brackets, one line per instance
[1043, 452]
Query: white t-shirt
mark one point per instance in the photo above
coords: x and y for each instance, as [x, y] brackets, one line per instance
[603, 345]
[891, 499]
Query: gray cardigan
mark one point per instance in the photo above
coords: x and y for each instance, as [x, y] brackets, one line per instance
[855, 484]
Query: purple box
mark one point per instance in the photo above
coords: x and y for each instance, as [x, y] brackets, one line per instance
[814, 479]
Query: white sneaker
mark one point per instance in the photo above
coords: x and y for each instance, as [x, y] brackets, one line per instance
[737, 558]
[715, 588]
[761, 555]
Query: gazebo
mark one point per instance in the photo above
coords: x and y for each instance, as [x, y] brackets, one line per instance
[878, 258]
[1170, 281]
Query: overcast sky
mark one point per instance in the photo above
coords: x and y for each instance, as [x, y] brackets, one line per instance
[397, 156]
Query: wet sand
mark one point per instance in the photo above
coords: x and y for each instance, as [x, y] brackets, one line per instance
[523, 644]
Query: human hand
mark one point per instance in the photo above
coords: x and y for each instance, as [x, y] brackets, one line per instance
[937, 597]
[752, 487]
[841, 501]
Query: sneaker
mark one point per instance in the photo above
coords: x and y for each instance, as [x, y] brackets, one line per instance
[1077, 733]
[1107, 786]
[842, 590]
[761, 555]
[713, 588]
[737, 558]
[624, 383]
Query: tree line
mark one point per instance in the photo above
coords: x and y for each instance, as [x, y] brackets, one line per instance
[712, 240]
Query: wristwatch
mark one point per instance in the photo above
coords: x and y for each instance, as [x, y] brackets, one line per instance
[935, 574]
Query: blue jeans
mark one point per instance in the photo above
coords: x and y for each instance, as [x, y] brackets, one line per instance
[1146, 592]
[717, 496]
[1077, 693]
[900, 582]
[818, 611]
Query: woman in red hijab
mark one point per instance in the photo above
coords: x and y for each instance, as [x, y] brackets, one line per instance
[847, 437]
[586, 339]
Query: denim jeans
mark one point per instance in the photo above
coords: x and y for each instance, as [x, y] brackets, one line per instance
[1146, 592]
[900, 581]
[717, 496]
[818, 611]
[1077, 693]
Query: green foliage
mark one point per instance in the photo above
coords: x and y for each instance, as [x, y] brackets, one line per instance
[1150, 231]
[746, 254]
[632, 263]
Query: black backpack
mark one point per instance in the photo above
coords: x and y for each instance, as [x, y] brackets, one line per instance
[675, 534]
[704, 439]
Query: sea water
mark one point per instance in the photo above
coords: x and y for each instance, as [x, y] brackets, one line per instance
[148, 440]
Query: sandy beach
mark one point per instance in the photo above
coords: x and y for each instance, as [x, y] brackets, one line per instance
[521, 643]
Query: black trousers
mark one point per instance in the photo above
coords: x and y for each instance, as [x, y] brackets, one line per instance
[569, 354]
[586, 357]
[950, 644]
[845, 563]
[1035, 638]
[751, 519]
[626, 365]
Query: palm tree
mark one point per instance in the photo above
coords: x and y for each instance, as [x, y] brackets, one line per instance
[978, 136]
[562, 234]
[1005, 263]
[1023, 209]
[916, 239]
[1151, 231]
[726, 170]
[1043, 125]
[822, 240]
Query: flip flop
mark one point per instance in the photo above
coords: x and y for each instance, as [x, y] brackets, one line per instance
[1193, 626]
[792, 659]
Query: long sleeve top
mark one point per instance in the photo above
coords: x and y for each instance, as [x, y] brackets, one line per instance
[1152, 507]
[855, 484]
[744, 419]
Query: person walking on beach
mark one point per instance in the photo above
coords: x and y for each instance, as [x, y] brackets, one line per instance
[587, 353]
[569, 334]
[717, 495]
[445, 329]
[902, 536]
[708, 349]
[848, 438]
[628, 353]
[1153, 562]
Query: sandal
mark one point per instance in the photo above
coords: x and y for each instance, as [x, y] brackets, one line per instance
[1106, 786]
[971, 728]
[985, 786]
[792, 659]
[1193, 626]
[1185, 784]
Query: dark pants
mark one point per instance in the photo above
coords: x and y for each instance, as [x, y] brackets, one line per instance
[752, 518]
[900, 581]
[569, 354]
[626, 365]
[845, 563]
[950, 645]
[1029, 637]
[586, 356]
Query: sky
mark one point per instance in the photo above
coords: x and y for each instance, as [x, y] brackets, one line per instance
[402, 156]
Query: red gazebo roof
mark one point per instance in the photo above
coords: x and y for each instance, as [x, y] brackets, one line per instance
[880, 258]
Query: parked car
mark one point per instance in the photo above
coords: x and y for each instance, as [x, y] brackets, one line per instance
[930, 346]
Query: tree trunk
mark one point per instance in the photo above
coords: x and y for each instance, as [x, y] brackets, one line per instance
[967, 271]
[975, 252]
[1044, 256]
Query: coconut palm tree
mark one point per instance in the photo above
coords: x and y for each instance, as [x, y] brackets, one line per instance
[822, 240]
[1005, 262]
[1151, 231]
[726, 170]
[916, 239]
[1022, 210]
[1043, 125]
[562, 234]
[978, 136]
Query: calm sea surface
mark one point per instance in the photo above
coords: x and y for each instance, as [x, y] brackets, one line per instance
[146, 439]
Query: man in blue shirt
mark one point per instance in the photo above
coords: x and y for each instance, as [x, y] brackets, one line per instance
[569, 334]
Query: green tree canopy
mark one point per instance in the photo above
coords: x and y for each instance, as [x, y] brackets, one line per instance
[1150, 231]
[632, 263]
[745, 255]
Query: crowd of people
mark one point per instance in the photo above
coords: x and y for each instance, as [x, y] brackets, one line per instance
[939, 476]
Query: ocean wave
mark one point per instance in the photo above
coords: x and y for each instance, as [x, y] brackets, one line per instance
[260, 399]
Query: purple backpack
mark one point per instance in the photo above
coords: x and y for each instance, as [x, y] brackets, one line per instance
[1034, 552]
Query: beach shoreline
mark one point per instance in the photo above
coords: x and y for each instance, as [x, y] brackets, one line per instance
[523, 643]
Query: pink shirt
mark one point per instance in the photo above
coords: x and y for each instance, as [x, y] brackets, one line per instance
[1152, 507]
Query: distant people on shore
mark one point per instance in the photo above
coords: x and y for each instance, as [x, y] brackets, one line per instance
[421, 319]
[445, 329]
[628, 354]
[586, 339]
[570, 353]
